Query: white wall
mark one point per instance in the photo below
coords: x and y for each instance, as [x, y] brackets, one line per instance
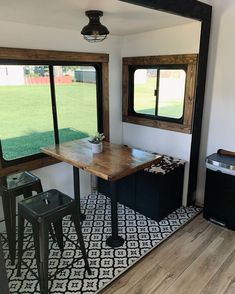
[38, 37]
[219, 119]
[175, 40]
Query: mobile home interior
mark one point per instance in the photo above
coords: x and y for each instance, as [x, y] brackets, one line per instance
[160, 89]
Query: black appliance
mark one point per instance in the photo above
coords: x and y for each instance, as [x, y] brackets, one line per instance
[219, 204]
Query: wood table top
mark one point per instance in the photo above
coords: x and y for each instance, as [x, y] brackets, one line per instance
[115, 162]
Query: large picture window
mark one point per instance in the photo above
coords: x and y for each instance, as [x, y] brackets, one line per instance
[45, 103]
[158, 91]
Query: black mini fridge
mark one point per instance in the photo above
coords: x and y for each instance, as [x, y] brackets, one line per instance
[219, 203]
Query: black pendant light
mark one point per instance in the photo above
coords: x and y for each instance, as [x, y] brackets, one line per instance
[94, 31]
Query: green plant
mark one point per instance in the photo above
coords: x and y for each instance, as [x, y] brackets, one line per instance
[97, 138]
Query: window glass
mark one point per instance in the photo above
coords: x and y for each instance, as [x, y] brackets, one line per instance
[159, 92]
[171, 93]
[145, 83]
[76, 100]
[25, 110]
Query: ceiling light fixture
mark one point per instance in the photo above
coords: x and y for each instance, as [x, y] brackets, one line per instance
[94, 31]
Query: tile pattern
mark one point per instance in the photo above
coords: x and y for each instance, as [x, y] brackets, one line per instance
[141, 235]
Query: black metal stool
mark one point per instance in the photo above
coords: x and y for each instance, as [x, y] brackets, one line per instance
[12, 186]
[41, 211]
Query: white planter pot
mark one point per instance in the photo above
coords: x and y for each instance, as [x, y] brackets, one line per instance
[97, 148]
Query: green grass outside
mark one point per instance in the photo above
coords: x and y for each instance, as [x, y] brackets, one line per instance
[26, 117]
[30, 144]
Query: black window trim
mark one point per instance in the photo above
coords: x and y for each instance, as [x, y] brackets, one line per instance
[131, 110]
[97, 65]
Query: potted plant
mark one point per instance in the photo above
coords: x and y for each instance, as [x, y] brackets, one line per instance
[96, 142]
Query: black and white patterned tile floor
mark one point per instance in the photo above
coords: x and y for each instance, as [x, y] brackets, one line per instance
[141, 234]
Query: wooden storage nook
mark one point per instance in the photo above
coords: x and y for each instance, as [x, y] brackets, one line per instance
[154, 192]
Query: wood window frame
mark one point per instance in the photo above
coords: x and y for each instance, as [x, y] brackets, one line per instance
[12, 55]
[189, 61]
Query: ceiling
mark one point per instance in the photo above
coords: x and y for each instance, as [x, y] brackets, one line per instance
[120, 18]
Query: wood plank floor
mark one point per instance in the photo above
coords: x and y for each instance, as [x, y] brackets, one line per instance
[198, 259]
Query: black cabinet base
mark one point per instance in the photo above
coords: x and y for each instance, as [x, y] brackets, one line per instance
[153, 195]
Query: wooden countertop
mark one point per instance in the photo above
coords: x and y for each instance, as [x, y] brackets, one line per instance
[115, 162]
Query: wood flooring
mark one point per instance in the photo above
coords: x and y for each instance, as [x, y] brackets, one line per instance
[198, 259]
